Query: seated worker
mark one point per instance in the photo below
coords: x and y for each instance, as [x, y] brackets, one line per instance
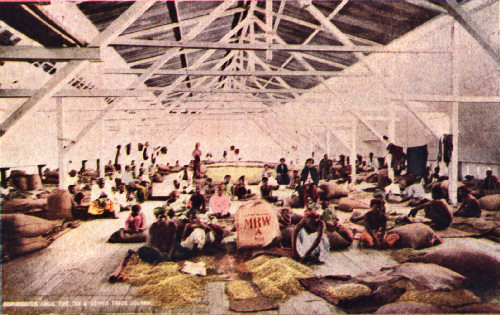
[282, 173]
[196, 235]
[120, 198]
[309, 241]
[266, 191]
[76, 202]
[100, 200]
[375, 225]
[136, 221]
[295, 180]
[128, 175]
[228, 186]
[437, 210]
[414, 193]
[162, 241]
[196, 203]
[240, 191]
[219, 203]
[490, 181]
[470, 206]
[265, 171]
[309, 179]
[209, 187]
[72, 179]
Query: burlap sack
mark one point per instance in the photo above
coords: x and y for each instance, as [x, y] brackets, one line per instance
[479, 268]
[348, 205]
[24, 246]
[15, 226]
[411, 308]
[59, 205]
[415, 236]
[34, 182]
[292, 202]
[18, 205]
[491, 203]
[330, 190]
[256, 224]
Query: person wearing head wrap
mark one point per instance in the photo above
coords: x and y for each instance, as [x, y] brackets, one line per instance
[309, 241]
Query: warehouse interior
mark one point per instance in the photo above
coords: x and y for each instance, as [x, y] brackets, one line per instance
[79, 81]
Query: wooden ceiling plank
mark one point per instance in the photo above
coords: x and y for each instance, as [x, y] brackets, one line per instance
[29, 53]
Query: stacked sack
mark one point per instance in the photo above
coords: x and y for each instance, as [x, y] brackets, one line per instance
[23, 234]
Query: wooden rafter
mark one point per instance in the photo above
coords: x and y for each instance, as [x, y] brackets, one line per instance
[330, 27]
[468, 23]
[29, 53]
[63, 75]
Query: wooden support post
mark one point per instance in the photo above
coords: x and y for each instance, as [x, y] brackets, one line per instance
[353, 150]
[101, 148]
[453, 169]
[60, 140]
[3, 174]
[327, 142]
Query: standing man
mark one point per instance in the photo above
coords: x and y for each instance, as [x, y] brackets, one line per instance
[196, 161]
[324, 167]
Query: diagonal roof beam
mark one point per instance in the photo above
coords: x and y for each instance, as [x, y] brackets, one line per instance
[468, 23]
[204, 57]
[191, 35]
[330, 27]
[427, 5]
[344, 104]
[313, 34]
[61, 77]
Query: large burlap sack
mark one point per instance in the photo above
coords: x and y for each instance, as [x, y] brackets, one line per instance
[20, 182]
[34, 182]
[479, 308]
[18, 205]
[121, 237]
[337, 241]
[59, 205]
[411, 308]
[479, 268]
[157, 178]
[330, 190]
[292, 202]
[452, 298]
[256, 224]
[491, 203]
[415, 236]
[15, 226]
[348, 205]
[24, 246]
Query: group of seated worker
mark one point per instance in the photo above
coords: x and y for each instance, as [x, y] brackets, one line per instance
[172, 239]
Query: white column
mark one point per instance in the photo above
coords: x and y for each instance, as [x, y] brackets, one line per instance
[101, 148]
[328, 139]
[353, 150]
[453, 169]
[60, 136]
